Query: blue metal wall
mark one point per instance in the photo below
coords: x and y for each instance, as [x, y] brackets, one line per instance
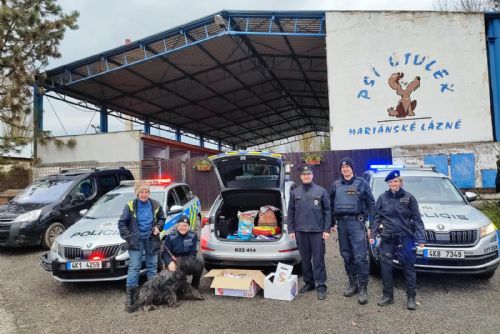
[493, 35]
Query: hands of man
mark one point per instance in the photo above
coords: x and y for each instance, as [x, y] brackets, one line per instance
[172, 266]
[292, 236]
[326, 235]
[156, 231]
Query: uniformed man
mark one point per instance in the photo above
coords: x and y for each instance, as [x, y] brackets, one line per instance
[398, 214]
[180, 249]
[352, 201]
[308, 222]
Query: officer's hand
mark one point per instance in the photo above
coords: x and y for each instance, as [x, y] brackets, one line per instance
[369, 233]
[172, 266]
[326, 235]
[292, 236]
[372, 241]
[156, 231]
[334, 229]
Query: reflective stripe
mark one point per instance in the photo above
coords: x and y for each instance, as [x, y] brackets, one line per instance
[131, 207]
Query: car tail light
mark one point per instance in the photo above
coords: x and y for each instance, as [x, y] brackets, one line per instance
[288, 250]
[204, 245]
[205, 221]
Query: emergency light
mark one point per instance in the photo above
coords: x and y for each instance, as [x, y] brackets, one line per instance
[151, 182]
[386, 166]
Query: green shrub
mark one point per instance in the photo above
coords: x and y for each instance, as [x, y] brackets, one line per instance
[492, 210]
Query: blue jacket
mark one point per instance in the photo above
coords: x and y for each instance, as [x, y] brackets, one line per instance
[129, 228]
[399, 214]
[309, 209]
[177, 244]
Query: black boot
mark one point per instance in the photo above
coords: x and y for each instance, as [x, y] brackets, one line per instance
[352, 289]
[306, 288]
[129, 299]
[410, 303]
[385, 300]
[363, 296]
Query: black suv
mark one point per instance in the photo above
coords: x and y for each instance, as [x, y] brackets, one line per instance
[51, 204]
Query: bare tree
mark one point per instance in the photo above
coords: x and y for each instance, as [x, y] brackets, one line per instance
[467, 5]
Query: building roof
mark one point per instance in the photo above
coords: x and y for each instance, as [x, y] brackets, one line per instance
[244, 78]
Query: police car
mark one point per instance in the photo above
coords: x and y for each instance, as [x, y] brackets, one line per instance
[459, 238]
[92, 249]
[248, 180]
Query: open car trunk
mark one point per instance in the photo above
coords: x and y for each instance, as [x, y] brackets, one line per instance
[240, 200]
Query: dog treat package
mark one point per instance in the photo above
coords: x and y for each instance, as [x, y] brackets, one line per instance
[267, 217]
[266, 230]
[245, 224]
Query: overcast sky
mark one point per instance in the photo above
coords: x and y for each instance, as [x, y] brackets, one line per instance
[104, 25]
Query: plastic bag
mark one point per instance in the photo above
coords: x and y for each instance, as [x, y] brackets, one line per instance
[245, 224]
[267, 217]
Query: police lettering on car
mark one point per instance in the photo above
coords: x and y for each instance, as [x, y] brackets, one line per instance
[309, 220]
[352, 202]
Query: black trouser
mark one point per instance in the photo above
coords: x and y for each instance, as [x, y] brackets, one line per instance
[404, 250]
[191, 265]
[312, 251]
[354, 251]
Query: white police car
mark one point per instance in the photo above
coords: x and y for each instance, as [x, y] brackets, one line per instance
[248, 181]
[459, 238]
[92, 249]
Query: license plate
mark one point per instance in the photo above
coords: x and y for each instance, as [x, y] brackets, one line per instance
[444, 253]
[244, 250]
[84, 265]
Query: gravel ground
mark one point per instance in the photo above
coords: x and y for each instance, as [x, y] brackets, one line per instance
[32, 302]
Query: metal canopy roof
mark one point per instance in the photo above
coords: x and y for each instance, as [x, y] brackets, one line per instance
[248, 79]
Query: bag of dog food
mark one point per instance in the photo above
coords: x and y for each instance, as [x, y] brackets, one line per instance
[245, 224]
[267, 217]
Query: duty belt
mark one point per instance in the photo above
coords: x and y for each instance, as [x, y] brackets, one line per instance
[360, 217]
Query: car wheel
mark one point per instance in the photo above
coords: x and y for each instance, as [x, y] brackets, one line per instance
[373, 265]
[51, 234]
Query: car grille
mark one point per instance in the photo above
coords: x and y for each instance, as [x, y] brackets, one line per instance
[463, 238]
[72, 253]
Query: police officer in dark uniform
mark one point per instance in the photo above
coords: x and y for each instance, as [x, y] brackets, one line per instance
[180, 250]
[397, 213]
[308, 222]
[352, 201]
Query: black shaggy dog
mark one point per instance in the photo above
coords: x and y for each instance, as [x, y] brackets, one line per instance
[164, 289]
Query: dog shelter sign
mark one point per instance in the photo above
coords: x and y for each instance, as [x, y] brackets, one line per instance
[406, 79]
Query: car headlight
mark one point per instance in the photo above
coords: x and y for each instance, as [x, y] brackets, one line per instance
[488, 229]
[28, 216]
[123, 248]
[55, 247]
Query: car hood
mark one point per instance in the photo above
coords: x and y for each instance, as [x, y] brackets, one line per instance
[91, 233]
[445, 217]
[12, 210]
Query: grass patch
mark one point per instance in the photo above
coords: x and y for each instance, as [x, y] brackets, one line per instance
[492, 210]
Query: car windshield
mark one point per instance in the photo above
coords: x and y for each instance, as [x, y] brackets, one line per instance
[111, 205]
[44, 191]
[425, 189]
[249, 172]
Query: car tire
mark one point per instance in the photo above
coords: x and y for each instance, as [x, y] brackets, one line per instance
[373, 265]
[51, 233]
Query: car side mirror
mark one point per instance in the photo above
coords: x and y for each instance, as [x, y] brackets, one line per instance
[471, 197]
[83, 212]
[174, 209]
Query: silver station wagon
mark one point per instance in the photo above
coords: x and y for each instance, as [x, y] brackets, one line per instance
[459, 238]
[248, 180]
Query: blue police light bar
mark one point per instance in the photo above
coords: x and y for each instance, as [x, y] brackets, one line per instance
[386, 166]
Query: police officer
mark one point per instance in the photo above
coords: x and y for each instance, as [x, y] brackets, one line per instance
[397, 213]
[352, 201]
[179, 251]
[309, 223]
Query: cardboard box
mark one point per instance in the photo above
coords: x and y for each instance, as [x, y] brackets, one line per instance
[236, 282]
[284, 291]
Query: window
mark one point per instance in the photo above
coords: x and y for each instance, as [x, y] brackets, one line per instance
[171, 200]
[189, 192]
[108, 182]
[181, 194]
[84, 190]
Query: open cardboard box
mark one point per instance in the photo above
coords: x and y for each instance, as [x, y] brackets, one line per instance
[281, 291]
[236, 282]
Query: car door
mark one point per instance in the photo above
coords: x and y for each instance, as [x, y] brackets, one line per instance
[170, 218]
[82, 196]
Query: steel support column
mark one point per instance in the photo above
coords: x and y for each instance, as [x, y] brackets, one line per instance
[494, 61]
[104, 119]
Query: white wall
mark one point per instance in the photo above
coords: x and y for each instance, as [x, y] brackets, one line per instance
[103, 147]
[446, 50]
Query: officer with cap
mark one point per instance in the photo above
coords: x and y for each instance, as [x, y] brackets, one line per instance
[399, 224]
[180, 250]
[352, 201]
[308, 223]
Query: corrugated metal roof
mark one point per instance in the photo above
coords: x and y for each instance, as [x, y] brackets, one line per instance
[257, 78]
